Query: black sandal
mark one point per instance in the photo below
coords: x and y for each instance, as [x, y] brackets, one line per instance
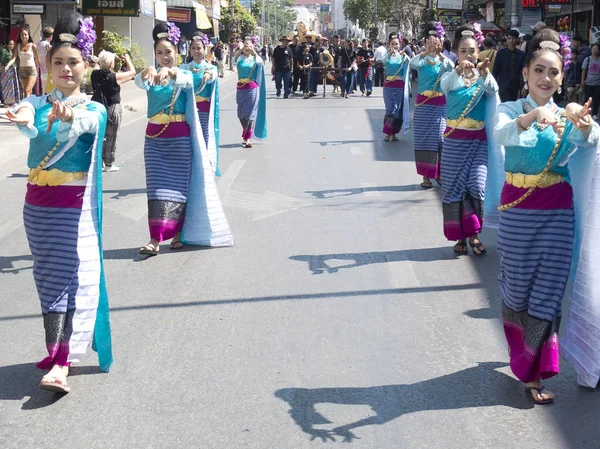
[539, 391]
[426, 185]
[460, 249]
[477, 246]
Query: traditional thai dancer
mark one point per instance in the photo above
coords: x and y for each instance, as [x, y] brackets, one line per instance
[537, 220]
[183, 202]
[470, 90]
[396, 90]
[63, 206]
[206, 92]
[430, 105]
[251, 94]
[10, 88]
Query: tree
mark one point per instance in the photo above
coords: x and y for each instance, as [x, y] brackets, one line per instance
[406, 13]
[361, 11]
[280, 17]
[243, 23]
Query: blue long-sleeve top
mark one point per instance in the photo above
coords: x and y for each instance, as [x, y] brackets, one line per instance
[528, 151]
[428, 74]
[201, 88]
[395, 64]
[458, 95]
[245, 67]
[161, 97]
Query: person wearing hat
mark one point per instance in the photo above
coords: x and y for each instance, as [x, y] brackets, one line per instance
[508, 67]
[283, 61]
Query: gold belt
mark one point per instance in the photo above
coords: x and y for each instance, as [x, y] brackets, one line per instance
[164, 119]
[465, 123]
[244, 81]
[393, 78]
[54, 177]
[201, 99]
[432, 94]
[527, 181]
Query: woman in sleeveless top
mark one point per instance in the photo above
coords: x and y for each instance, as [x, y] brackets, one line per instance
[29, 60]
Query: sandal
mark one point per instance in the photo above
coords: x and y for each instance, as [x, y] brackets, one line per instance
[477, 246]
[460, 249]
[54, 384]
[426, 185]
[539, 391]
[388, 138]
[394, 139]
[149, 250]
[248, 145]
[174, 246]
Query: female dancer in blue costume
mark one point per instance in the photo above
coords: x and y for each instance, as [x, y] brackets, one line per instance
[537, 219]
[251, 94]
[430, 105]
[464, 160]
[63, 206]
[183, 202]
[206, 92]
[396, 90]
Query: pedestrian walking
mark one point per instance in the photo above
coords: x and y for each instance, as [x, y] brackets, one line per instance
[379, 54]
[62, 212]
[346, 61]
[396, 90]
[469, 88]
[9, 77]
[43, 47]
[509, 67]
[107, 91]
[283, 62]
[313, 78]
[365, 58]
[430, 104]
[304, 64]
[295, 74]
[537, 220]
[26, 57]
[590, 78]
[181, 189]
[206, 96]
[220, 57]
[251, 96]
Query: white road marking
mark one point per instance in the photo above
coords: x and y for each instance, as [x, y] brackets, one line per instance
[11, 225]
[227, 179]
[370, 189]
[402, 273]
[137, 119]
[356, 151]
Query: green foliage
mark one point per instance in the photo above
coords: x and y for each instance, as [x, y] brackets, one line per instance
[405, 13]
[361, 12]
[242, 24]
[137, 57]
[116, 43]
[280, 18]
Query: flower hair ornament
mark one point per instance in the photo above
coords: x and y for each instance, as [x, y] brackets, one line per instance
[565, 51]
[478, 35]
[173, 34]
[203, 39]
[85, 39]
[439, 30]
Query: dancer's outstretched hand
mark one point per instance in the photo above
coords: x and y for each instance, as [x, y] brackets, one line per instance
[580, 115]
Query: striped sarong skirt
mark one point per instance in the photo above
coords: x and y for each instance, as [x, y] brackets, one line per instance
[463, 168]
[247, 97]
[203, 108]
[429, 124]
[393, 98]
[9, 85]
[51, 216]
[168, 160]
[535, 246]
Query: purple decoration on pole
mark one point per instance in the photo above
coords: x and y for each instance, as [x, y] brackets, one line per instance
[174, 33]
[86, 38]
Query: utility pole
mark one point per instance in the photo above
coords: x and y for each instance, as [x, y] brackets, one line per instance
[233, 47]
[262, 22]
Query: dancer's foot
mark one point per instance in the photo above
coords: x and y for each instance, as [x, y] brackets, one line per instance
[56, 380]
[539, 393]
[426, 184]
[477, 247]
[151, 249]
[176, 243]
[460, 249]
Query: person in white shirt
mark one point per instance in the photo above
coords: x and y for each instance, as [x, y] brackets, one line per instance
[43, 47]
[380, 54]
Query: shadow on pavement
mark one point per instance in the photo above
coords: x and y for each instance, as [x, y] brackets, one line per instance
[389, 151]
[334, 193]
[335, 143]
[480, 386]
[318, 263]
[22, 380]
[123, 193]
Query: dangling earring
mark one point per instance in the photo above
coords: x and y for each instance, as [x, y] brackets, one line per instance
[526, 87]
[559, 90]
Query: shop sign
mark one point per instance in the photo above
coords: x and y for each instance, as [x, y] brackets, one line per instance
[538, 3]
[28, 9]
[181, 15]
[128, 8]
[29, 2]
[450, 4]
[450, 17]
[148, 8]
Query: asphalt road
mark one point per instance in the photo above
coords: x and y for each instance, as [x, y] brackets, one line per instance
[340, 316]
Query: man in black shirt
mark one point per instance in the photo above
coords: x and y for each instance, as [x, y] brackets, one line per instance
[218, 52]
[365, 69]
[283, 61]
[315, 52]
[295, 73]
[334, 49]
[508, 68]
[345, 60]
